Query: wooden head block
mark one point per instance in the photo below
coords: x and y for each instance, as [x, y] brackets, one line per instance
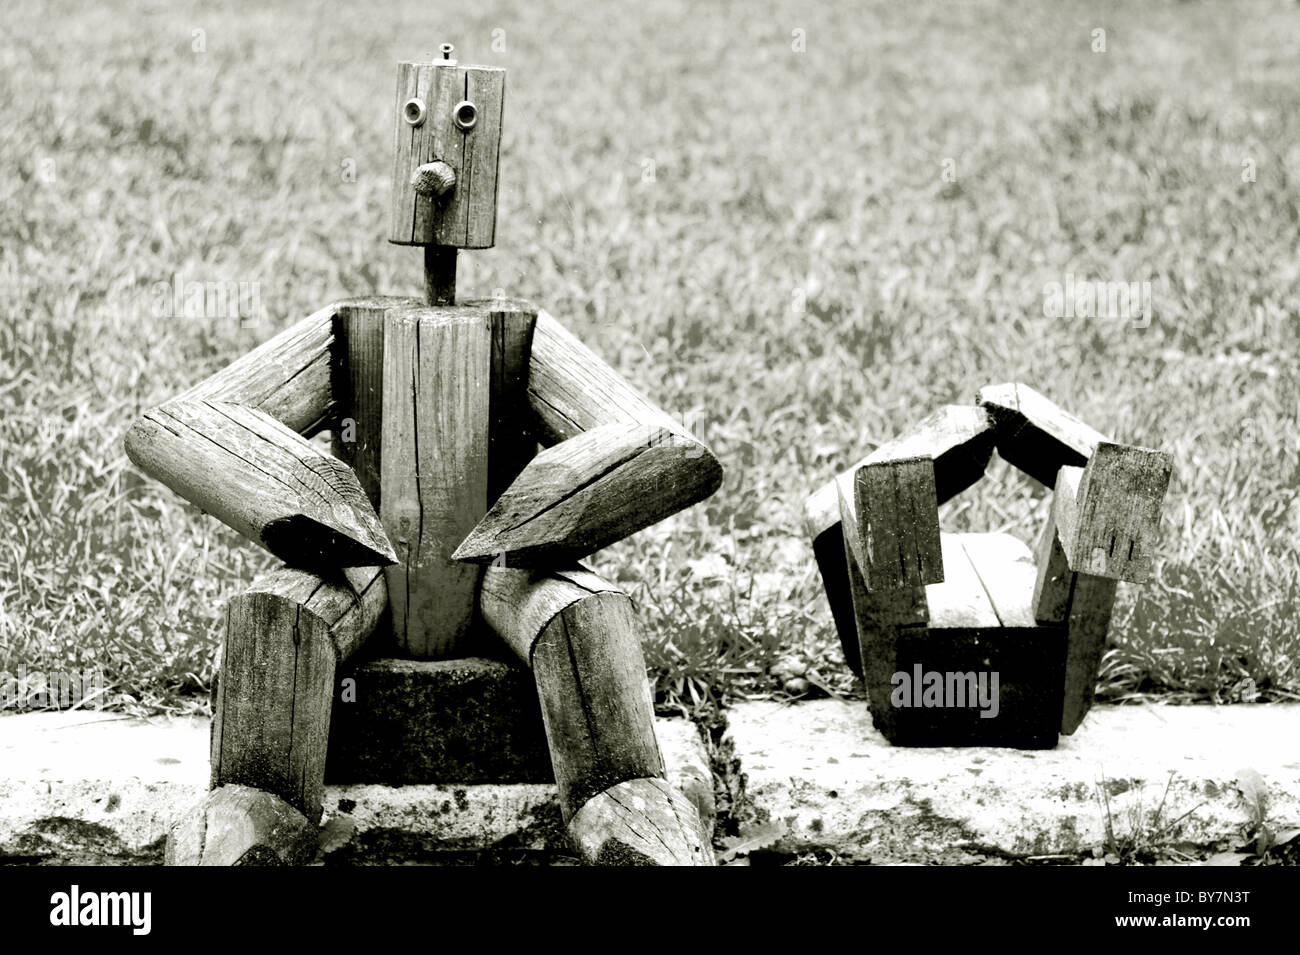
[898, 523]
[447, 140]
[1108, 513]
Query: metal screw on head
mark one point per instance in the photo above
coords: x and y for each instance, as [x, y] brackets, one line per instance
[447, 50]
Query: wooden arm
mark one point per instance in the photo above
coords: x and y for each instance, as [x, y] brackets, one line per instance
[232, 445]
[615, 464]
[287, 377]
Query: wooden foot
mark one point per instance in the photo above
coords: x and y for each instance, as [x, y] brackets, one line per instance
[640, 822]
[240, 825]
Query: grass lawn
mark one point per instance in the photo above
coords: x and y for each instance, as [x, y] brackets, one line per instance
[805, 251]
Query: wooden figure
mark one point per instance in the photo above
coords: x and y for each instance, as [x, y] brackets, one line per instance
[437, 519]
[909, 599]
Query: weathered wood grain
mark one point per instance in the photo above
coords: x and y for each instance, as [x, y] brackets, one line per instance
[240, 825]
[512, 444]
[591, 677]
[1034, 434]
[1054, 580]
[486, 89]
[640, 822]
[287, 376]
[1108, 513]
[615, 463]
[1082, 603]
[263, 480]
[284, 638]
[960, 601]
[877, 620]
[572, 390]
[437, 366]
[359, 387]
[580, 636]
[980, 625]
[898, 515]
[876, 616]
[590, 491]
[959, 439]
[1006, 572]
[1091, 601]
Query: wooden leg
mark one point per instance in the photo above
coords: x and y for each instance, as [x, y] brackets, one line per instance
[878, 616]
[1091, 603]
[284, 638]
[833, 568]
[580, 637]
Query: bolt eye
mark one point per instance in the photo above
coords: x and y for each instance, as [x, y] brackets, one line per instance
[413, 111]
[465, 115]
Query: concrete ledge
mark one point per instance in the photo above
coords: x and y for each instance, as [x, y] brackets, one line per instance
[94, 788]
[827, 779]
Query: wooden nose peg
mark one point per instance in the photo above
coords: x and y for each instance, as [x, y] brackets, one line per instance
[433, 180]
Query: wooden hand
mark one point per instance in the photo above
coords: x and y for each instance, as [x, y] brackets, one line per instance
[615, 464]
